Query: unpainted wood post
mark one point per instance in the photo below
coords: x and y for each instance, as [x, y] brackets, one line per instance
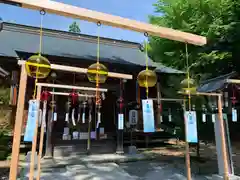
[18, 125]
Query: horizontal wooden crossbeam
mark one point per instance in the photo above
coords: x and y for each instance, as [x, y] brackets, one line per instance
[233, 81]
[63, 86]
[107, 19]
[67, 94]
[168, 99]
[82, 70]
[201, 94]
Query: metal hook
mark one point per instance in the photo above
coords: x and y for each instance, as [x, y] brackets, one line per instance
[42, 12]
[99, 23]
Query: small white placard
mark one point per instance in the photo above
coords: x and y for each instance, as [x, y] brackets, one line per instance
[55, 116]
[234, 115]
[170, 118]
[204, 119]
[213, 118]
[120, 121]
[161, 119]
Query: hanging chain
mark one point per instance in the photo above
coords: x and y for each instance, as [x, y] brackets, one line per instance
[188, 78]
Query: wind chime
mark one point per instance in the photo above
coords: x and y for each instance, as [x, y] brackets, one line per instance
[189, 87]
[234, 101]
[188, 84]
[37, 66]
[53, 102]
[97, 73]
[214, 109]
[204, 113]
[147, 78]
[44, 98]
[73, 96]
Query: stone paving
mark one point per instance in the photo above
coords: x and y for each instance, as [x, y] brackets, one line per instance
[146, 170]
[115, 167]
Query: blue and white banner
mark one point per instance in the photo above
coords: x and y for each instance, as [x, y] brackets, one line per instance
[148, 116]
[120, 121]
[33, 112]
[191, 126]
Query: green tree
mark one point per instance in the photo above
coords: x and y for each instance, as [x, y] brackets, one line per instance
[74, 27]
[218, 20]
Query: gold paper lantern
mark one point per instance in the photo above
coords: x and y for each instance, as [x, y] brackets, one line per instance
[38, 66]
[97, 69]
[147, 78]
[188, 85]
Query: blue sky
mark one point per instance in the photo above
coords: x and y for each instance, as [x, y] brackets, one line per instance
[133, 9]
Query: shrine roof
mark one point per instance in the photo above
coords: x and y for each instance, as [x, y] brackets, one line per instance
[16, 38]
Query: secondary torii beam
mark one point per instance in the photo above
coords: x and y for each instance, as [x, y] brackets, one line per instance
[107, 19]
[81, 70]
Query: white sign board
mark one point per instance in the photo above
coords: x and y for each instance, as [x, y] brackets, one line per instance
[148, 116]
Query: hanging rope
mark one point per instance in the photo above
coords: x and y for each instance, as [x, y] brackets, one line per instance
[98, 64]
[188, 78]
[53, 103]
[42, 13]
[146, 54]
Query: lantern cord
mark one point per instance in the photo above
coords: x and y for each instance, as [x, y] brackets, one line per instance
[35, 84]
[53, 101]
[42, 13]
[188, 78]
[146, 53]
[98, 65]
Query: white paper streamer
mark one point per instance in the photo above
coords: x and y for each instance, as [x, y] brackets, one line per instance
[234, 115]
[99, 119]
[73, 119]
[40, 118]
[204, 119]
[83, 118]
[44, 115]
[67, 117]
[213, 118]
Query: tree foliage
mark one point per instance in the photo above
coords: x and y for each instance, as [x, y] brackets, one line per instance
[74, 27]
[218, 20]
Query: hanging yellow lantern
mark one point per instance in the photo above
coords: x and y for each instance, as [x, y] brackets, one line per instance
[38, 67]
[188, 85]
[97, 69]
[147, 78]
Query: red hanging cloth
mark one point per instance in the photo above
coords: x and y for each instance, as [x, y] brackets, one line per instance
[74, 97]
[45, 95]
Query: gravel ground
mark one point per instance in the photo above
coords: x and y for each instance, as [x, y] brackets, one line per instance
[156, 170]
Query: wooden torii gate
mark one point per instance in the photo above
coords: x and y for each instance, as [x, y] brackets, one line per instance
[70, 11]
